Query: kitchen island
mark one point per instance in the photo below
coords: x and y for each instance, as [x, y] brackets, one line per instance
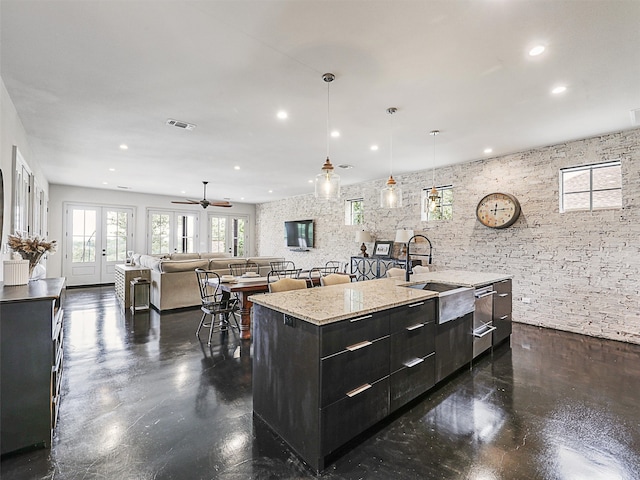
[330, 362]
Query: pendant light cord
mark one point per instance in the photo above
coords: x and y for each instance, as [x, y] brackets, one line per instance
[391, 145]
[434, 133]
[328, 115]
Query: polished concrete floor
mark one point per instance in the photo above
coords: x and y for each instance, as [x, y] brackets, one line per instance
[143, 399]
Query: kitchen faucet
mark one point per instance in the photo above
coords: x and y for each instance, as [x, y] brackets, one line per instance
[408, 264]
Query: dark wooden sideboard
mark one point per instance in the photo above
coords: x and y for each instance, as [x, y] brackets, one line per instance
[31, 343]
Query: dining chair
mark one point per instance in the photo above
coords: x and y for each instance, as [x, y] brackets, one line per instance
[282, 265]
[239, 269]
[319, 272]
[395, 272]
[286, 284]
[216, 303]
[334, 279]
[274, 275]
[421, 269]
[339, 266]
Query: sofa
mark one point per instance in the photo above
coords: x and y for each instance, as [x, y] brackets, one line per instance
[173, 281]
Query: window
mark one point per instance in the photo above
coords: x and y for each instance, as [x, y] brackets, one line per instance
[591, 187]
[444, 209]
[354, 212]
[171, 232]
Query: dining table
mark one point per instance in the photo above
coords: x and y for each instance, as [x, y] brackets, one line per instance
[243, 287]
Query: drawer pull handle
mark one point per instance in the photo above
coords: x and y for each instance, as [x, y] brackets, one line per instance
[358, 390]
[478, 333]
[415, 327]
[360, 318]
[416, 304]
[414, 362]
[504, 316]
[486, 294]
[503, 295]
[357, 346]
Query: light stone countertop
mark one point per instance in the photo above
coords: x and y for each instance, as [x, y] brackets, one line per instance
[461, 278]
[323, 305]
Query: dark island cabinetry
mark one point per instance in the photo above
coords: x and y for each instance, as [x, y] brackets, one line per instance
[320, 386]
[31, 334]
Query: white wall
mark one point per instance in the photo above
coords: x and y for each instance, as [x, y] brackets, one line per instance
[581, 270]
[62, 194]
[13, 133]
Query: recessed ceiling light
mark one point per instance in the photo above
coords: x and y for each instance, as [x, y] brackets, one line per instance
[335, 134]
[124, 147]
[112, 169]
[237, 167]
[374, 147]
[105, 183]
[559, 89]
[310, 181]
[270, 191]
[241, 198]
[488, 150]
[282, 115]
[183, 191]
[537, 50]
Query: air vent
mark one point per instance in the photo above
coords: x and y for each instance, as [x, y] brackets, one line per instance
[345, 166]
[177, 123]
[123, 187]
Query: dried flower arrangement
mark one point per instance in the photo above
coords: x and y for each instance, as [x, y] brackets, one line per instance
[31, 248]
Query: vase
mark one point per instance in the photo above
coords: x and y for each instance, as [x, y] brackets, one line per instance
[38, 272]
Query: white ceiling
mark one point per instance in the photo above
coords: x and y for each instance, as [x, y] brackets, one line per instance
[87, 76]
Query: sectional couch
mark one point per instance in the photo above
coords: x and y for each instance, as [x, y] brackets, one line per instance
[173, 281]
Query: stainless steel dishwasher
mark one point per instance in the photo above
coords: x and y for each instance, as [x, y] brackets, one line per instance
[483, 320]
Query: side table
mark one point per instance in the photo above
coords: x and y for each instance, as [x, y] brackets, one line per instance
[124, 274]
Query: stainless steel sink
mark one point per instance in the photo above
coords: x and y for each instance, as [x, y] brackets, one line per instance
[453, 301]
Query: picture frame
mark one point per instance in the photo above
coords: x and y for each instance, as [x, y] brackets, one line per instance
[383, 249]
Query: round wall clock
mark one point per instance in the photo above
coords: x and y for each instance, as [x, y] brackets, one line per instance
[498, 210]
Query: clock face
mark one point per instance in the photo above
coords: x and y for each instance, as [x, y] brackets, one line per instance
[498, 210]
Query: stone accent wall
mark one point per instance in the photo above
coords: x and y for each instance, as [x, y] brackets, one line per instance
[580, 270]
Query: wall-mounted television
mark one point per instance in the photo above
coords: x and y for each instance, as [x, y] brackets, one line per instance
[299, 233]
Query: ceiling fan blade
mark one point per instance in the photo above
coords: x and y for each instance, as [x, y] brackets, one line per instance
[188, 202]
[220, 204]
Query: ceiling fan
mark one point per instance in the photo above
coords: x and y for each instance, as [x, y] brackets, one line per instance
[204, 202]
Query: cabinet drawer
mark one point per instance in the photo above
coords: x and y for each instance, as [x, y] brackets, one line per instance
[337, 336]
[409, 382]
[423, 311]
[345, 371]
[352, 415]
[415, 341]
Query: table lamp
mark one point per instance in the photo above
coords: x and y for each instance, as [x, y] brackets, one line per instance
[403, 236]
[363, 236]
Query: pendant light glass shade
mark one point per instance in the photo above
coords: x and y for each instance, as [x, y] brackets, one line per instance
[328, 182]
[391, 194]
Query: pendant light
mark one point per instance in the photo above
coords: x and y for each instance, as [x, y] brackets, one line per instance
[391, 194]
[433, 200]
[328, 182]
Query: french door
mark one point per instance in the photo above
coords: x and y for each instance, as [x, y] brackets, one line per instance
[171, 232]
[96, 239]
[229, 234]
